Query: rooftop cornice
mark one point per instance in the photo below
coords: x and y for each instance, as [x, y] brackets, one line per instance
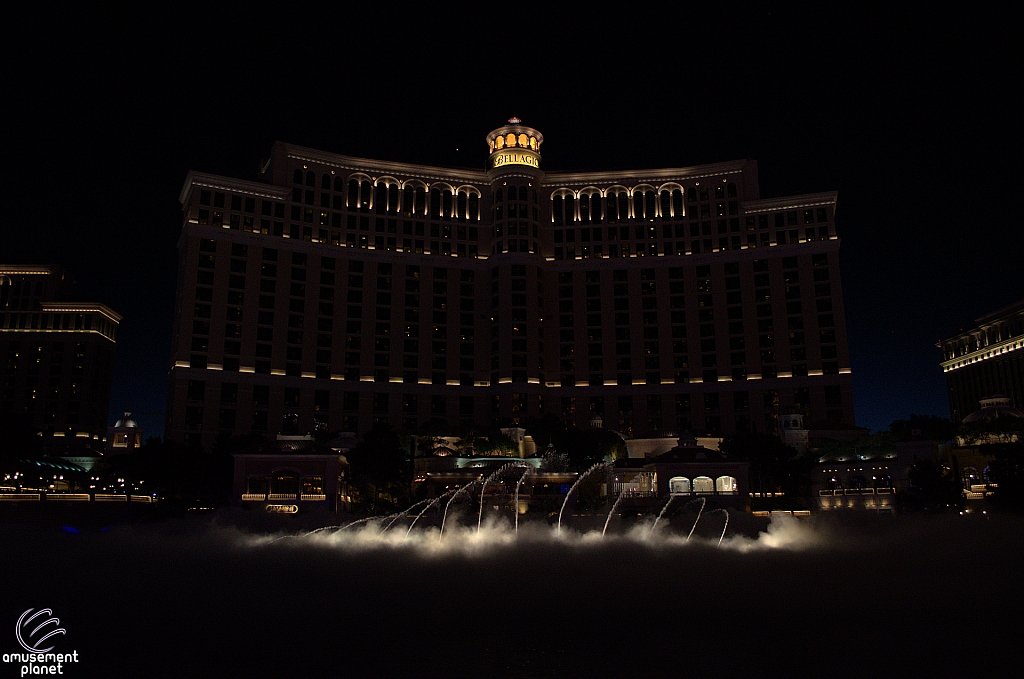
[81, 307]
[1000, 315]
[24, 270]
[996, 350]
[214, 181]
[660, 175]
[996, 318]
[791, 202]
[383, 166]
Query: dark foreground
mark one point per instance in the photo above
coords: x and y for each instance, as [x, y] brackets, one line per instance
[917, 596]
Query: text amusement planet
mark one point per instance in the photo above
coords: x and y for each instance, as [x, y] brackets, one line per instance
[36, 632]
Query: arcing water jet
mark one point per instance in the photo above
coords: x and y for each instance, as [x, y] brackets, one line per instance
[575, 485]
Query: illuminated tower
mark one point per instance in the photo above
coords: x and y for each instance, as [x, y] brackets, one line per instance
[517, 274]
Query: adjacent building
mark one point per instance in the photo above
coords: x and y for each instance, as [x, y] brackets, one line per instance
[986, 362]
[57, 357]
[333, 292]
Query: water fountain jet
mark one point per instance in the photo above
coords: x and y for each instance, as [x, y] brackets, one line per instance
[483, 489]
[516, 501]
[403, 513]
[449, 503]
[574, 486]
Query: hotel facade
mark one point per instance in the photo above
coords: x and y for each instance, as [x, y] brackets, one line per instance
[985, 362]
[335, 292]
[58, 357]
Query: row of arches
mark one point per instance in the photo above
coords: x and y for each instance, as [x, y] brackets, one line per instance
[511, 140]
[617, 204]
[389, 195]
[723, 485]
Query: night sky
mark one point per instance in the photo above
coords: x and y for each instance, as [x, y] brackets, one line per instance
[909, 117]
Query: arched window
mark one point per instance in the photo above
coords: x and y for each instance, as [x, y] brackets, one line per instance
[353, 194]
[666, 204]
[325, 182]
[643, 204]
[523, 195]
[393, 198]
[499, 195]
[731, 189]
[365, 193]
[679, 485]
[297, 176]
[339, 184]
[624, 206]
[380, 202]
[570, 210]
[310, 178]
[446, 204]
[970, 476]
[284, 483]
[556, 211]
[726, 485]
[435, 203]
[677, 203]
[618, 206]
[461, 205]
[408, 195]
[585, 209]
[590, 208]
[703, 484]
[474, 207]
[421, 200]
[312, 485]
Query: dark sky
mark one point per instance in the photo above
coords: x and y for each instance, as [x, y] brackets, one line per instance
[908, 116]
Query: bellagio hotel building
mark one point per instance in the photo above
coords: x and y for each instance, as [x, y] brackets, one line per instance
[336, 292]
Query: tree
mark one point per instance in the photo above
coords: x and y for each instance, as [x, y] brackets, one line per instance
[182, 477]
[496, 443]
[19, 440]
[1007, 470]
[773, 464]
[931, 487]
[1002, 429]
[930, 427]
[381, 470]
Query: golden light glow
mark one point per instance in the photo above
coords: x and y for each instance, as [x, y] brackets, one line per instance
[518, 158]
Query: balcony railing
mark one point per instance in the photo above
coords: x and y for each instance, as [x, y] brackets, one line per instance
[825, 492]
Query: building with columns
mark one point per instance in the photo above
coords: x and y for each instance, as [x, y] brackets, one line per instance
[333, 292]
[985, 362]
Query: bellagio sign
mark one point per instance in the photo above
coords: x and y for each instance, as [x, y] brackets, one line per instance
[515, 158]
